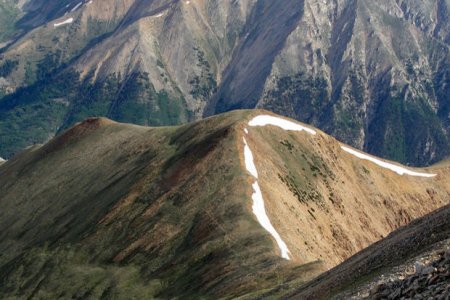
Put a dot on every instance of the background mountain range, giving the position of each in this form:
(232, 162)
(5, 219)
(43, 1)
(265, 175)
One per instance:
(374, 74)
(223, 205)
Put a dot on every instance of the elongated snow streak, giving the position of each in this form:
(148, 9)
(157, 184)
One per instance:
(260, 213)
(258, 203)
(399, 170)
(68, 21)
(2, 160)
(76, 6)
(249, 163)
(264, 120)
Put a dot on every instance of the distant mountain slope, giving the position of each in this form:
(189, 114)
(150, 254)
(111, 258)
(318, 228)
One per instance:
(231, 206)
(9, 14)
(372, 73)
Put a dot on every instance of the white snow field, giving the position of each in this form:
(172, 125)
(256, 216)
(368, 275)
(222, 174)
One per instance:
(264, 120)
(397, 169)
(68, 21)
(258, 203)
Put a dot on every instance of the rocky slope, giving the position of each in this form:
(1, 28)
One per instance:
(237, 205)
(373, 74)
(427, 281)
(411, 263)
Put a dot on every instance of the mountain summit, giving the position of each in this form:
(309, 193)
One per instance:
(231, 206)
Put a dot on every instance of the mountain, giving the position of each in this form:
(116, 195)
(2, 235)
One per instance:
(374, 74)
(237, 205)
(413, 261)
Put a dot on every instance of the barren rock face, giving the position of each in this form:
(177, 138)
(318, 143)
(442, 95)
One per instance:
(373, 74)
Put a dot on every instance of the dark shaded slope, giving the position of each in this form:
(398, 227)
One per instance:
(144, 8)
(264, 35)
(39, 12)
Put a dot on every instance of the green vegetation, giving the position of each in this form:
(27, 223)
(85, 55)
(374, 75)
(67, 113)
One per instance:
(305, 94)
(65, 272)
(288, 145)
(392, 137)
(318, 166)
(98, 29)
(365, 170)
(34, 114)
(48, 65)
(132, 100)
(310, 194)
(7, 67)
(403, 126)
(310, 176)
(9, 14)
(57, 100)
(205, 85)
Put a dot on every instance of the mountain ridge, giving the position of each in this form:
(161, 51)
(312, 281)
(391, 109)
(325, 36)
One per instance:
(167, 212)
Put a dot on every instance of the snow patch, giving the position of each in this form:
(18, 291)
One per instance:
(399, 170)
(76, 6)
(68, 21)
(2, 160)
(258, 203)
(260, 212)
(246, 130)
(249, 163)
(264, 120)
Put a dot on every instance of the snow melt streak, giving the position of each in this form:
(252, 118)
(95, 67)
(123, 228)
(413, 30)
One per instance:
(68, 21)
(399, 170)
(76, 6)
(260, 213)
(258, 203)
(249, 163)
(264, 120)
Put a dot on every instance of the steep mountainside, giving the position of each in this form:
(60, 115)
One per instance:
(412, 262)
(372, 73)
(9, 14)
(231, 206)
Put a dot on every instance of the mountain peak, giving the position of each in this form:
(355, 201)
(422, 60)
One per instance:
(77, 132)
(179, 205)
